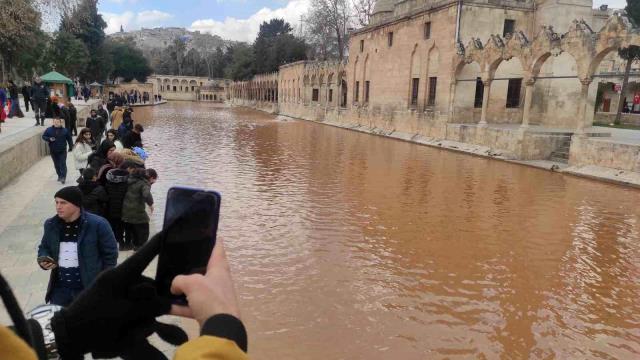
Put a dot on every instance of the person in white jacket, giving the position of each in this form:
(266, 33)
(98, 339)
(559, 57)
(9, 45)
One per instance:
(82, 149)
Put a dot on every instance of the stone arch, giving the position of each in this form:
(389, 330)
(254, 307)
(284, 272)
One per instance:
(466, 105)
(415, 71)
(507, 73)
(555, 90)
(174, 84)
(356, 89)
(193, 85)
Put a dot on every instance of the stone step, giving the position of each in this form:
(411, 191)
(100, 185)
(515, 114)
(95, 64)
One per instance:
(559, 159)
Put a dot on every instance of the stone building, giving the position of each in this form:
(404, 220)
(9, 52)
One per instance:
(521, 76)
(215, 90)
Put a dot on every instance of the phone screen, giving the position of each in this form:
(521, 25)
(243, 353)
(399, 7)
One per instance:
(188, 242)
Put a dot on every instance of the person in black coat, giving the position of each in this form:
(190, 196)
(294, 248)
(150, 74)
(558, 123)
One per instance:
(94, 196)
(116, 186)
(133, 138)
(40, 97)
(58, 137)
(26, 95)
(99, 157)
(73, 118)
(97, 125)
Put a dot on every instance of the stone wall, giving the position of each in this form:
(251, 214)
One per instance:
(604, 153)
(626, 119)
(20, 151)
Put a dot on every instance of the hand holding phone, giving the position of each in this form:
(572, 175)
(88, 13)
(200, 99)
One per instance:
(46, 262)
(191, 223)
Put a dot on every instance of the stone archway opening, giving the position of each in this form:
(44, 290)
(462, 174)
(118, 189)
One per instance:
(467, 103)
(556, 92)
(607, 85)
(506, 96)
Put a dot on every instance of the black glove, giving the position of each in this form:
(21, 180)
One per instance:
(117, 313)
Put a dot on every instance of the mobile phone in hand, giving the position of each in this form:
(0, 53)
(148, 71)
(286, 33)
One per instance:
(191, 220)
(48, 259)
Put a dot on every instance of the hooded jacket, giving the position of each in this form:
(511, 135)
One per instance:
(138, 194)
(94, 197)
(116, 187)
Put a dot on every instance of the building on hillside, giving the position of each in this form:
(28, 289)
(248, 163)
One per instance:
(519, 75)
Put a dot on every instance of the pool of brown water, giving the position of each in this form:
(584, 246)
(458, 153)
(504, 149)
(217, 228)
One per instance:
(350, 246)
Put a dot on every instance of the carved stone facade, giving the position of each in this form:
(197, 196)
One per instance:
(520, 76)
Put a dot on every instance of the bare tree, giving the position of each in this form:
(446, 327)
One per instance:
(332, 19)
(363, 10)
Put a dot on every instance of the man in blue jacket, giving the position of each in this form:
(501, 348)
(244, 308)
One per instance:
(57, 137)
(76, 246)
(39, 95)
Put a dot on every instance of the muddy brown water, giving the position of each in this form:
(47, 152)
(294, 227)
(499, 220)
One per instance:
(351, 246)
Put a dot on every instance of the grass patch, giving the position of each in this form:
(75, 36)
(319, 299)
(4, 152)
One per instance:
(621, 126)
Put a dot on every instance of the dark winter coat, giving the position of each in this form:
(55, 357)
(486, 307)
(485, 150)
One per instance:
(94, 197)
(40, 92)
(99, 157)
(13, 92)
(104, 115)
(26, 92)
(62, 137)
(116, 187)
(131, 140)
(97, 247)
(96, 125)
(138, 194)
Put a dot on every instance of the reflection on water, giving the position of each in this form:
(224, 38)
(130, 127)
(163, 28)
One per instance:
(351, 246)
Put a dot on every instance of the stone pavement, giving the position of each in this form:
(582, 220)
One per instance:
(24, 205)
(15, 125)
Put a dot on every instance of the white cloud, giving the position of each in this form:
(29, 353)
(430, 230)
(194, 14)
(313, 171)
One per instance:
(133, 21)
(247, 29)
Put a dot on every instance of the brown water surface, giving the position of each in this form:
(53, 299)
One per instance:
(351, 246)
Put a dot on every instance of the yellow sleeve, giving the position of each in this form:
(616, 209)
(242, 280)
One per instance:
(210, 348)
(14, 348)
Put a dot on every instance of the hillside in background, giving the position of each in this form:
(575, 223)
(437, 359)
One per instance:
(151, 40)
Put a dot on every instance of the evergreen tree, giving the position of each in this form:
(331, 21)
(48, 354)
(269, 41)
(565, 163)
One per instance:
(128, 61)
(68, 54)
(19, 22)
(86, 24)
(241, 66)
(275, 45)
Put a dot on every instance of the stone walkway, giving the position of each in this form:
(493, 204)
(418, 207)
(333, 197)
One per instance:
(24, 206)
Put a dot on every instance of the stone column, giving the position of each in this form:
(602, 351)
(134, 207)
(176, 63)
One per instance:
(485, 101)
(452, 100)
(528, 95)
(582, 106)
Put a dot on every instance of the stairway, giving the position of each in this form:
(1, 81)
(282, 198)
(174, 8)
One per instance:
(561, 154)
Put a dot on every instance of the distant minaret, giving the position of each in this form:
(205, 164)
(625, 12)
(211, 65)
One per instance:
(121, 29)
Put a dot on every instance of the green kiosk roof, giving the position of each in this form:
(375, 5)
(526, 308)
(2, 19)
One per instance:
(56, 77)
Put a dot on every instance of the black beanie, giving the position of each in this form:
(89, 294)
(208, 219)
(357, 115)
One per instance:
(71, 194)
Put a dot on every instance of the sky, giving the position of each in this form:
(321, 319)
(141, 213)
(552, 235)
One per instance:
(231, 19)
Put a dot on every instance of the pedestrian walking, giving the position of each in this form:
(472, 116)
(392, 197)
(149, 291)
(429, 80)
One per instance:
(73, 117)
(76, 246)
(58, 137)
(116, 186)
(97, 125)
(134, 215)
(103, 114)
(40, 95)
(94, 196)
(26, 96)
(15, 101)
(82, 149)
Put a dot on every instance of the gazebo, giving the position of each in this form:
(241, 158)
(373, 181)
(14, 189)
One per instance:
(59, 83)
(96, 88)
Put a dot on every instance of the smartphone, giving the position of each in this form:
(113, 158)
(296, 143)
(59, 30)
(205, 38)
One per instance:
(48, 259)
(191, 220)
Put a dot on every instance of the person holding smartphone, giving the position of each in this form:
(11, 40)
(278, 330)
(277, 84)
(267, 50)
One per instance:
(76, 246)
